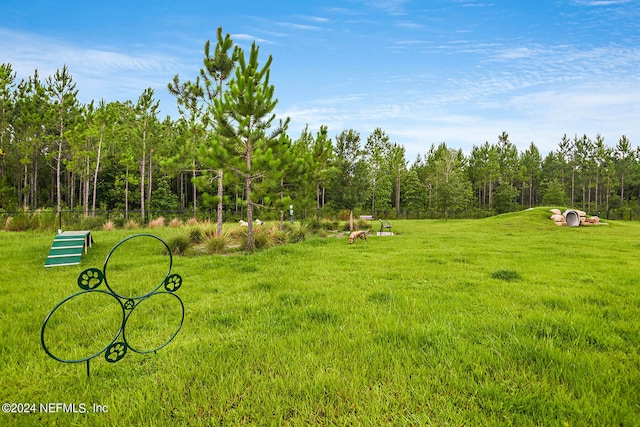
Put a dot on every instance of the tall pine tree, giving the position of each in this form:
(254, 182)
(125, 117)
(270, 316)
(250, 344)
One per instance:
(244, 115)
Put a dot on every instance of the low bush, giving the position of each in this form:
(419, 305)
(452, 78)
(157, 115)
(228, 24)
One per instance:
(175, 223)
(157, 223)
(216, 244)
(196, 234)
(178, 243)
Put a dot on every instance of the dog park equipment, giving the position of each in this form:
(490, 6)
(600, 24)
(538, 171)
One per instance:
(89, 280)
(385, 225)
(572, 218)
(67, 248)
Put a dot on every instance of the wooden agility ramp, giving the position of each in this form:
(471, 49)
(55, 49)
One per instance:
(68, 247)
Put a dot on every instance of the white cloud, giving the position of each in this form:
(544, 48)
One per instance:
(247, 38)
(98, 73)
(601, 2)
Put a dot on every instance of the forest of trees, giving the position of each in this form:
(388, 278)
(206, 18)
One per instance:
(227, 153)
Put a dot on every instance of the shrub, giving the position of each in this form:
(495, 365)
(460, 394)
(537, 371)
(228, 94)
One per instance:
(322, 224)
(109, 226)
(131, 225)
(19, 222)
(178, 244)
(157, 223)
(279, 237)
(363, 224)
(191, 222)
(216, 244)
(196, 234)
(322, 233)
(297, 233)
(175, 223)
(91, 223)
(262, 239)
(46, 220)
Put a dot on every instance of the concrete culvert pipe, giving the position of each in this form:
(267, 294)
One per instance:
(572, 218)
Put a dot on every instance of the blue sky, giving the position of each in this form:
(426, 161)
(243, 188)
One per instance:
(454, 71)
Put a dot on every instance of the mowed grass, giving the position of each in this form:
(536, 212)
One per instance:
(508, 320)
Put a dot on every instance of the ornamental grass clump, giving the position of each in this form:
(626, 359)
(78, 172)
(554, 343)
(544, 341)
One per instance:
(178, 243)
(216, 244)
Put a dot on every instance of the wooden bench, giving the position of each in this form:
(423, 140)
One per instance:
(366, 217)
(385, 225)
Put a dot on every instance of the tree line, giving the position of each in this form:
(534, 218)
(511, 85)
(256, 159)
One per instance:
(227, 150)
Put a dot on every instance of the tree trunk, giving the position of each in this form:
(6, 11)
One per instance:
(34, 186)
(71, 188)
(193, 188)
(149, 186)
(490, 193)
(249, 183)
(398, 194)
(58, 166)
(143, 164)
(86, 189)
(573, 187)
(126, 194)
(220, 205)
(373, 199)
(95, 174)
(25, 201)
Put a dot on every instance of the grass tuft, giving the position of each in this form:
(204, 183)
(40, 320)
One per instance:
(178, 243)
(506, 275)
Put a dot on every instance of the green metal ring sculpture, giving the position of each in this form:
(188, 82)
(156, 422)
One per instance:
(90, 279)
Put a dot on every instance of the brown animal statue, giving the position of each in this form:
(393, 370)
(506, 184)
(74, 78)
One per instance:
(361, 234)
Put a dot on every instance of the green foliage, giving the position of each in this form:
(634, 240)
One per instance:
(179, 243)
(20, 221)
(216, 244)
(351, 184)
(554, 194)
(163, 199)
(7, 195)
(196, 234)
(452, 190)
(505, 198)
(243, 116)
(108, 145)
(296, 232)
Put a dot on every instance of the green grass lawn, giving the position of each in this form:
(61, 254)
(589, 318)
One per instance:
(508, 320)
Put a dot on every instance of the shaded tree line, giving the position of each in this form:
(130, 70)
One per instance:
(227, 150)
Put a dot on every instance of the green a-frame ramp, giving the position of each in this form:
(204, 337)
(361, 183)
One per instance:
(67, 248)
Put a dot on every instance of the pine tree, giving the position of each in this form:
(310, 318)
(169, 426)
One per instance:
(218, 69)
(323, 158)
(351, 183)
(7, 87)
(146, 111)
(63, 93)
(195, 102)
(243, 117)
